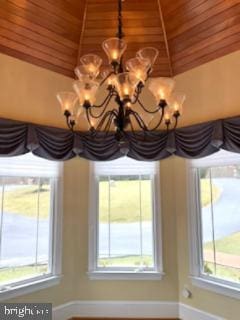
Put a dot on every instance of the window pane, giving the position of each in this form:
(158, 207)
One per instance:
(125, 222)
(220, 189)
(24, 245)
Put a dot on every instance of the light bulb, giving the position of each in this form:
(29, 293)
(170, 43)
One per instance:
(161, 88)
(114, 48)
(114, 54)
(176, 102)
(67, 101)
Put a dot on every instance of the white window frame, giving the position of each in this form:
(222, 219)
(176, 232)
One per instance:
(96, 273)
(37, 283)
(199, 279)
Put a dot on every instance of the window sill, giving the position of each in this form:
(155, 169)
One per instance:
(217, 287)
(125, 275)
(29, 287)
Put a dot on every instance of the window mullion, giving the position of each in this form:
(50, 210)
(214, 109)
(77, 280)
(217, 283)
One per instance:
(1, 219)
(37, 226)
(140, 216)
(213, 223)
(109, 218)
(52, 220)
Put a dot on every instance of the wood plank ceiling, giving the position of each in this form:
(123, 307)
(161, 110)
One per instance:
(54, 33)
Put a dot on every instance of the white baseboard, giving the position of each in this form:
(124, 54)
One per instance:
(130, 309)
(116, 309)
(189, 313)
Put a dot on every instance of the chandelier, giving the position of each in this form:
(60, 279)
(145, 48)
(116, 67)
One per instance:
(124, 83)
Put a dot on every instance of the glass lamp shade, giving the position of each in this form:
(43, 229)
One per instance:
(86, 90)
(176, 102)
(138, 67)
(107, 73)
(125, 84)
(161, 88)
(91, 63)
(67, 101)
(114, 48)
(149, 53)
(81, 72)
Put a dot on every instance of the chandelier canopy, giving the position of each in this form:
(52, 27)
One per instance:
(125, 83)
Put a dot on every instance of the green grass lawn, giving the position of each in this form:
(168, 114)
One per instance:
(24, 201)
(206, 192)
(132, 261)
(125, 202)
(222, 272)
(229, 244)
(8, 275)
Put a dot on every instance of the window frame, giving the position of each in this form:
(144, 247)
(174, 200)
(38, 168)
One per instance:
(96, 273)
(52, 278)
(199, 279)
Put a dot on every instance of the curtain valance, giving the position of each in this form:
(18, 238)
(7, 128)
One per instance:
(194, 141)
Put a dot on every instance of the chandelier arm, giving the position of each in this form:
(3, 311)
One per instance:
(159, 122)
(139, 120)
(104, 80)
(108, 125)
(88, 118)
(136, 95)
(103, 111)
(132, 129)
(104, 118)
(146, 110)
(109, 96)
(176, 122)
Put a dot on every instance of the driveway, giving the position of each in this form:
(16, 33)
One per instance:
(19, 232)
(19, 240)
(226, 210)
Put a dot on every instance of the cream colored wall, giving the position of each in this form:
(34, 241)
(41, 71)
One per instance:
(212, 92)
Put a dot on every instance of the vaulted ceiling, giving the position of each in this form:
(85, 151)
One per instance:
(55, 33)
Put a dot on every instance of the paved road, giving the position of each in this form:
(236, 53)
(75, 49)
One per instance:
(226, 210)
(19, 239)
(19, 231)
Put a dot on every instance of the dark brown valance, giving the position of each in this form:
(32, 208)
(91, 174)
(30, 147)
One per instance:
(195, 141)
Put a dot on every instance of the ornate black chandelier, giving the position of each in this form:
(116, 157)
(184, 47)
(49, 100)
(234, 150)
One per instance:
(124, 85)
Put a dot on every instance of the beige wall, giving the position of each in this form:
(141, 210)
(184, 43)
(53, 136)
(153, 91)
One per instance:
(212, 92)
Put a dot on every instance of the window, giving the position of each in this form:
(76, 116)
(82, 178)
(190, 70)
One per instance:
(124, 237)
(29, 220)
(215, 218)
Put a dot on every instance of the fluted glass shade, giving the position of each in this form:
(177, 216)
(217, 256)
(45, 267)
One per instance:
(67, 101)
(149, 53)
(176, 102)
(161, 88)
(138, 67)
(114, 48)
(125, 84)
(86, 90)
(81, 71)
(107, 73)
(91, 63)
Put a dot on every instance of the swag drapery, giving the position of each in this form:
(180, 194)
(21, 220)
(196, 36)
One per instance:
(17, 138)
